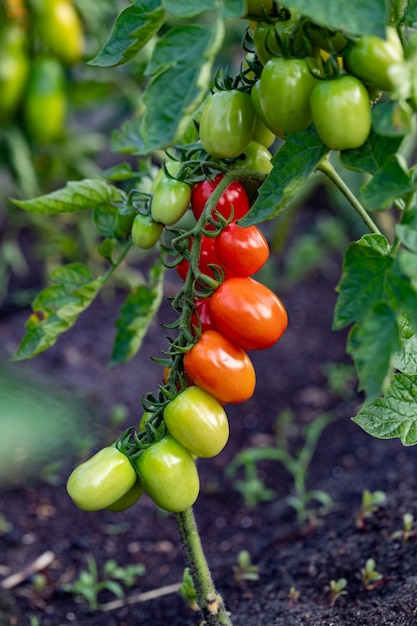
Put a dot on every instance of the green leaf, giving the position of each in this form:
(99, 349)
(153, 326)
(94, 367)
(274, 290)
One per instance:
(57, 308)
(363, 279)
(136, 315)
(190, 8)
(356, 17)
(407, 262)
(392, 119)
(292, 165)
(372, 345)
(394, 415)
(389, 183)
(411, 12)
(75, 196)
(104, 220)
(134, 27)
(371, 156)
(406, 360)
(119, 172)
(406, 230)
(181, 65)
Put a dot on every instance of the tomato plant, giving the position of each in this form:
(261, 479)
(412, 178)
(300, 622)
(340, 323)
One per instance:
(198, 422)
(273, 38)
(341, 112)
(227, 123)
(102, 480)
(233, 201)
(221, 368)
(208, 262)
(248, 313)
(242, 250)
(169, 475)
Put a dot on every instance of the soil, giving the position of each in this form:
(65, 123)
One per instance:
(296, 561)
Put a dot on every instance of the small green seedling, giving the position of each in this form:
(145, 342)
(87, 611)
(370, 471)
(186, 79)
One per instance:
(297, 464)
(88, 585)
(188, 592)
(293, 596)
(245, 570)
(407, 531)
(371, 578)
(371, 501)
(337, 589)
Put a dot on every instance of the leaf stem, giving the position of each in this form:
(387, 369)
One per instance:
(328, 170)
(209, 600)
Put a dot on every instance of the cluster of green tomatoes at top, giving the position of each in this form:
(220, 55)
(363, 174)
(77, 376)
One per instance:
(298, 74)
(228, 313)
(38, 42)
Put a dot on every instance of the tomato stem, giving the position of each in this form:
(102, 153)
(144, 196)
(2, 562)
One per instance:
(209, 600)
(328, 170)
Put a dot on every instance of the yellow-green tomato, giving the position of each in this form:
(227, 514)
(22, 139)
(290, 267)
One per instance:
(341, 111)
(198, 422)
(60, 29)
(227, 123)
(170, 201)
(128, 499)
(14, 71)
(372, 58)
(256, 157)
(45, 105)
(102, 480)
(169, 475)
(145, 232)
(284, 94)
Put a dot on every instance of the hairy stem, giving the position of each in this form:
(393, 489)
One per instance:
(209, 600)
(328, 170)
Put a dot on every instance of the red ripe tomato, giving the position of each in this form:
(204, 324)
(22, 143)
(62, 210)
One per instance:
(208, 257)
(201, 317)
(221, 368)
(248, 313)
(242, 250)
(233, 198)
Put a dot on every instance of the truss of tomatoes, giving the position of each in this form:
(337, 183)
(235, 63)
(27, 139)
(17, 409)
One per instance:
(240, 315)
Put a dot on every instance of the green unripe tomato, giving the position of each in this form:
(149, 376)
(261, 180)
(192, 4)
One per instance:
(60, 29)
(169, 475)
(227, 124)
(14, 71)
(170, 201)
(331, 41)
(256, 157)
(262, 134)
(102, 480)
(284, 94)
(341, 111)
(128, 499)
(145, 232)
(371, 59)
(198, 422)
(45, 105)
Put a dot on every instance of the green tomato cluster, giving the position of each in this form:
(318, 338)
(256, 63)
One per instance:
(33, 87)
(297, 85)
(166, 470)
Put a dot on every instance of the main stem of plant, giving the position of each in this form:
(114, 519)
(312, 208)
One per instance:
(209, 600)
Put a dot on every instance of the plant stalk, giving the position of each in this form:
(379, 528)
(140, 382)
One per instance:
(328, 170)
(209, 600)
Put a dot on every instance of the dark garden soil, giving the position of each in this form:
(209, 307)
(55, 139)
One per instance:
(304, 557)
